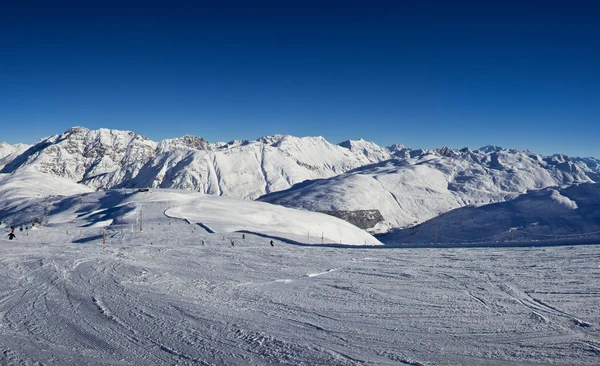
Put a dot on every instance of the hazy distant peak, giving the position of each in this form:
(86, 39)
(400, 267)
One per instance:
(17, 146)
(396, 147)
(490, 149)
(8, 152)
(559, 158)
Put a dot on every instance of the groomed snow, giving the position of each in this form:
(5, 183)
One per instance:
(120, 209)
(162, 297)
(224, 215)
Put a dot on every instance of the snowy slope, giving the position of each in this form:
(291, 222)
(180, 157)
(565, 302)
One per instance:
(546, 214)
(177, 295)
(9, 152)
(407, 186)
(25, 195)
(23, 201)
(99, 158)
(245, 169)
(408, 191)
(370, 150)
(591, 166)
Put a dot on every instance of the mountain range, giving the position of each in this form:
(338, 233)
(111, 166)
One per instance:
(408, 186)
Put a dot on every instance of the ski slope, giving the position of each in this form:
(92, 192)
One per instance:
(29, 196)
(201, 284)
(162, 297)
(170, 277)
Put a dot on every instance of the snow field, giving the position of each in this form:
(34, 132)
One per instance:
(161, 297)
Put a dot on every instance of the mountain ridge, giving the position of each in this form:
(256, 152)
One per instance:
(408, 186)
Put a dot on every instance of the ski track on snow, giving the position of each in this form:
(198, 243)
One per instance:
(160, 297)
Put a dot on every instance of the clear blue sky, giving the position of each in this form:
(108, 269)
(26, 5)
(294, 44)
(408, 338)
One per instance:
(523, 74)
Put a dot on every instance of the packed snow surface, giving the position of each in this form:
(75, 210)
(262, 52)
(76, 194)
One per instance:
(175, 294)
(223, 215)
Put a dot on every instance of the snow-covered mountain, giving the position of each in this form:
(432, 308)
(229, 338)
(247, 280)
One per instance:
(546, 214)
(591, 166)
(99, 159)
(408, 186)
(9, 152)
(411, 190)
(370, 150)
(246, 169)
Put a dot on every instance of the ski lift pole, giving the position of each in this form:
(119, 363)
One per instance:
(141, 216)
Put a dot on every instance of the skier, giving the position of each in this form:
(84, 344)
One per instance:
(243, 236)
(232, 242)
(272, 243)
(11, 236)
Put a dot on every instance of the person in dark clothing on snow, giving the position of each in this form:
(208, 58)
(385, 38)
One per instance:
(272, 243)
(11, 236)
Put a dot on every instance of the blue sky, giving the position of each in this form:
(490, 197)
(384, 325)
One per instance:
(424, 73)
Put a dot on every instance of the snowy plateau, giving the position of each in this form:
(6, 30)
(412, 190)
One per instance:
(185, 252)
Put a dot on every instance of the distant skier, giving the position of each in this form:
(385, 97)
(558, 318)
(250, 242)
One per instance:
(243, 236)
(202, 242)
(11, 236)
(21, 228)
(272, 244)
(232, 242)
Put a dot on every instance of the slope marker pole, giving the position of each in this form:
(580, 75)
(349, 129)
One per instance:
(141, 216)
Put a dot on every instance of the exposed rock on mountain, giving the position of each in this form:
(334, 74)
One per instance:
(247, 169)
